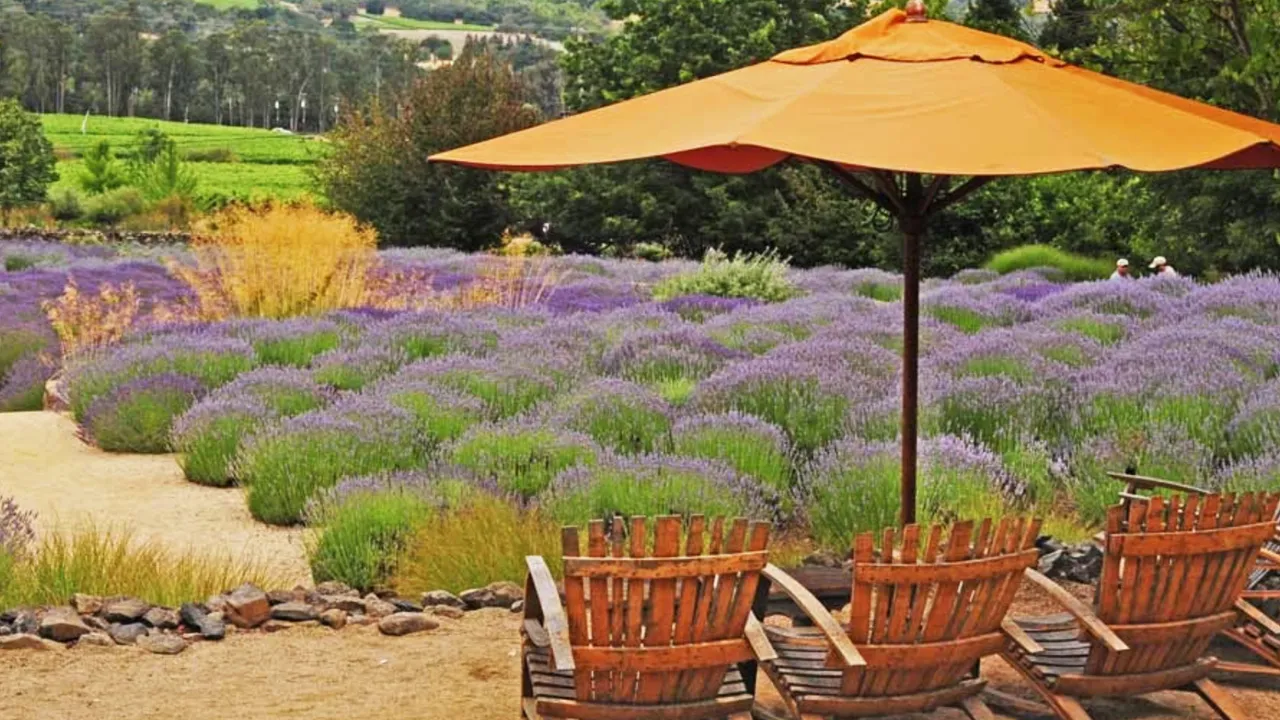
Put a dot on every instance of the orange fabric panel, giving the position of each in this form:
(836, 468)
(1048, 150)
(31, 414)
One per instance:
(927, 97)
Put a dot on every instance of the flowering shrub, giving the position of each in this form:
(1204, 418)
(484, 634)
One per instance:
(22, 388)
(519, 457)
(137, 416)
(762, 277)
(292, 342)
(283, 391)
(505, 387)
(208, 436)
(353, 369)
(749, 445)
(441, 413)
(421, 335)
(654, 485)
(363, 535)
(619, 415)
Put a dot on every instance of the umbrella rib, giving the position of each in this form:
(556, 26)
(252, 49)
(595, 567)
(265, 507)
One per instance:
(860, 187)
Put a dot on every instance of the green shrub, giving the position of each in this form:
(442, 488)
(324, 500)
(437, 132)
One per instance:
(761, 276)
(64, 204)
(208, 436)
(520, 459)
(296, 350)
(362, 537)
(112, 206)
(138, 415)
(1074, 267)
(441, 414)
(749, 445)
(619, 415)
(101, 172)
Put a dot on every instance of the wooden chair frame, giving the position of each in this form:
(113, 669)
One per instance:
(922, 617)
(1254, 630)
(666, 635)
(1148, 633)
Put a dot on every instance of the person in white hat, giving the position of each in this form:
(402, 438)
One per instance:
(1122, 270)
(1162, 267)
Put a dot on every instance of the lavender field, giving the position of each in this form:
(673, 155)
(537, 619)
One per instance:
(594, 398)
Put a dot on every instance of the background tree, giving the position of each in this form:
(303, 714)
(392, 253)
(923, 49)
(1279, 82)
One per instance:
(26, 158)
(378, 168)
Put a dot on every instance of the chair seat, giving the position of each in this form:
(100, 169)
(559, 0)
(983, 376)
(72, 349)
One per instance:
(1065, 653)
(548, 683)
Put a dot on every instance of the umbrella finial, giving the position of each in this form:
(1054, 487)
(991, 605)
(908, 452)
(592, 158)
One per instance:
(916, 11)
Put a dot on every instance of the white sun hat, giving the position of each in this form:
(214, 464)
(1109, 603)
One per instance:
(1122, 263)
(1158, 262)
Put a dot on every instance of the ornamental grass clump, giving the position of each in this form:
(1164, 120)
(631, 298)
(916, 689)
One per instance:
(809, 402)
(283, 391)
(279, 261)
(137, 416)
(1073, 267)
(286, 464)
(208, 358)
(293, 342)
(619, 415)
(441, 413)
(519, 457)
(853, 486)
(208, 436)
(353, 369)
(648, 485)
(763, 276)
(748, 444)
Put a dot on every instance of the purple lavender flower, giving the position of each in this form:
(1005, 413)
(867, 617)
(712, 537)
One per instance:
(1109, 298)
(667, 355)
(697, 308)
(620, 415)
(17, 529)
(750, 445)
(23, 387)
(137, 415)
(286, 391)
(506, 387)
(428, 334)
(593, 296)
(352, 369)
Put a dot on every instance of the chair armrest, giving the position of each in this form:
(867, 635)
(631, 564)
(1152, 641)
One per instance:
(1143, 482)
(1079, 610)
(818, 614)
(1248, 609)
(759, 641)
(553, 619)
(1269, 555)
(1020, 636)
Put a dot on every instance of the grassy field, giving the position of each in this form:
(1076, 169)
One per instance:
(265, 163)
(404, 23)
(231, 4)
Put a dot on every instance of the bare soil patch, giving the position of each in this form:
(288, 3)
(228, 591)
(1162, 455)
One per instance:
(70, 484)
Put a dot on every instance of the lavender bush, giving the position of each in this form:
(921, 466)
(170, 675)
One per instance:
(138, 415)
(283, 391)
(521, 457)
(208, 436)
(352, 369)
(749, 445)
(620, 415)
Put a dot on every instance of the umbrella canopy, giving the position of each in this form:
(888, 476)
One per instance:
(888, 103)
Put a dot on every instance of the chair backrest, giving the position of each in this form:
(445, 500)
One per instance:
(652, 622)
(924, 613)
(1172, 571)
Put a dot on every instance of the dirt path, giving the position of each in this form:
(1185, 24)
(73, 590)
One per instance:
(46, 468)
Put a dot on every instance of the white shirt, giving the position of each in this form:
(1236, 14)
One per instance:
(1117, 276)
(1168, 270)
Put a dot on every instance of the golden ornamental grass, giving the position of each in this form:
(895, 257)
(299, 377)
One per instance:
(279, 261)
(88, 320)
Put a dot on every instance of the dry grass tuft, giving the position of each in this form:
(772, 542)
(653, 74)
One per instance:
(86, 320)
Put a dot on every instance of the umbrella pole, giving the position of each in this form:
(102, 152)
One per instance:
(912, 230)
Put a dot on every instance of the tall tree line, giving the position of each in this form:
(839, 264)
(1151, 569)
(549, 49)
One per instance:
(175, 60)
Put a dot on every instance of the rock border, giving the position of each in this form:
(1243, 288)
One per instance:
(90, 620)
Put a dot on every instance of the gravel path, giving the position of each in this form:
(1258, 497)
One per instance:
(46, 468)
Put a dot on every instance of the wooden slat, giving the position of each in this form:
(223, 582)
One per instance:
(634, 629)
(555, 625)
(1166, 633)
(923, 656)
(879, 706)
(601, 682)
(717, 654)
(668, 568)
(623, 687)
(1132, 684)
(1079, 610)
(903, 588)
(576, 608)
(949, 572)
(658, 624)
(701, 684)
(944, 603)
(691, 589)
(716, 708)
(1199, 543)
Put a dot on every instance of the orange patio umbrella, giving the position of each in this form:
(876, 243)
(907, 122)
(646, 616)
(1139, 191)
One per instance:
(909, 113)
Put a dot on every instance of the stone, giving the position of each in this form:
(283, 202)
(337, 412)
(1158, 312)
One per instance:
(1048, 561)
(337, 589)
(334, 618)
(375, 606)
(124, 610)
(8, 616)
(405, 623)
(449, 611)
(96, 623)
(86, 604)
(361, 620)
(192, 637)
(272, 626)
(822, 558)
(191, 615)
(63, 625)
(216, 603)
(294, 611)
(1080, 563)
(499, 594)
(214, 627)
(247, 607)
(162, 643)
(441, 597)
(25, 641)
(403, 605)
(343, 602)
(279, 597)
(127, 633)
(5, 630)
(98, 639)
(163, 618)
(517, 606)
(25, 622)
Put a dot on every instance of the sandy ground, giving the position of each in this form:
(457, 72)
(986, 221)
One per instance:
(46, 468)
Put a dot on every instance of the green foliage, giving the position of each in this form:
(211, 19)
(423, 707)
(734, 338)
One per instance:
(208, 451)
(17, 263)
(112, 206)
(438, 421)
(630, 491)
(1075, 268)
(1003, 17)
(521, 461)
(166, 175)
(140, 422)
(378, 169)
(101, 172)
(761, 276)
(362, 537)
(622, 423)
(26, 158)
(64, 204)
(756, 457)
(296, 351)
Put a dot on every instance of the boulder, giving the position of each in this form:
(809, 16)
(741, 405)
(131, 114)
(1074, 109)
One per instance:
(24, 622)
(247, 607)
(279, 597)
(192, 614)
(24, 641)
(162, 643)
(272, 626)
(449, 611)
(216, 603)
(375, 606)
(213, 627)
(441, 597)
(163, 618)
(334, 618)
(517, 606)
(96, 623)
(344, 603)
(5, 629)
(822, 558)
(86, 604)
(337, 589)
(361, 620)
(403, 605)
(99, 639)
(294, 611)
(63, 625)
(405, 623)
(499, 594)
(124, 610)
(1080, 563)
(127, 633)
